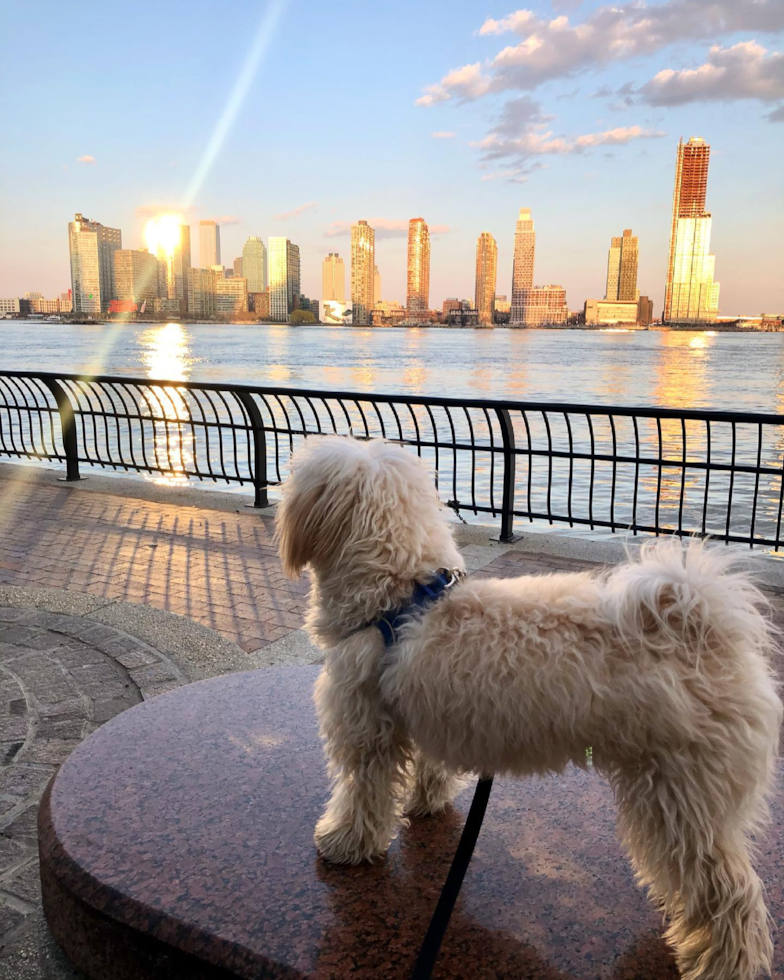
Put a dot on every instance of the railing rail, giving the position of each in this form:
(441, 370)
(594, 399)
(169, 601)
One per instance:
(646, 470)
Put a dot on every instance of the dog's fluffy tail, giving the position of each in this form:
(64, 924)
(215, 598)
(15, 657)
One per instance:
(691, 595)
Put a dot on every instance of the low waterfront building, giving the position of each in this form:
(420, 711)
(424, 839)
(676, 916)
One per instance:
(66, 302)
(388, 314)
(231, 295)
(618, 312)
(260, 304)
(452, 303)
(171, 305)
(333, 312)
(12, 305)
(540, 306)
(44, 305)
(502, 303)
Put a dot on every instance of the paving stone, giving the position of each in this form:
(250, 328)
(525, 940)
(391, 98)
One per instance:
(13, 728)
(9, 920)
(12, 853)
(25, 882)
(21, 780)
(51, 750)
(23, 826)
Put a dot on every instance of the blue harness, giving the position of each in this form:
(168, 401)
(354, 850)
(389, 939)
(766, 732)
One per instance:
(423, 596)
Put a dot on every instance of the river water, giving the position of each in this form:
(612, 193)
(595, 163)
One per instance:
(742, 372)
(681, 370)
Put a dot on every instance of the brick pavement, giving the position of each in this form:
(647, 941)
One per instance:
(60, 678)
(219, 569)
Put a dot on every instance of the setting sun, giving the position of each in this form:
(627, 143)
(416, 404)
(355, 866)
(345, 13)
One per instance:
(162, 234)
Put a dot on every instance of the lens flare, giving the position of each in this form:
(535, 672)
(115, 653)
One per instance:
(162, 235)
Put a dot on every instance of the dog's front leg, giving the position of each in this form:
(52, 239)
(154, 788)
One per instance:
(433, 787)
(367, 759)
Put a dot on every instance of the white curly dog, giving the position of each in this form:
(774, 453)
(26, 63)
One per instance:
(660, 664)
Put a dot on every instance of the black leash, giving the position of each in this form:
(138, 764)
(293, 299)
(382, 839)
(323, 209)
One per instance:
(454, 880)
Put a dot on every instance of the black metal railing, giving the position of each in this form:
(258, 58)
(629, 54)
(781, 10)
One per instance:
(647, 470)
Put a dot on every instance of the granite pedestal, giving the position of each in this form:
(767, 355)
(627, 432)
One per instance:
(176, 842)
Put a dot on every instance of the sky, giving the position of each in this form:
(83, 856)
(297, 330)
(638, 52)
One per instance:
(296, 118)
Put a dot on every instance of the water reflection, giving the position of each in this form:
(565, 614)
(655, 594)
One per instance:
(167, 356)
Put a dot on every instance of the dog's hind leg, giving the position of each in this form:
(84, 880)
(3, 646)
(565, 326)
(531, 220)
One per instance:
(367, 759)
(687, 842)
(433, 787)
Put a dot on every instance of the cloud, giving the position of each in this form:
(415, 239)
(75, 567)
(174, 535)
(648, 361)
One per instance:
(153, 210)
(384, 228)
(466, 84)
(557, 48)
(538, 142)
(776, 115)
(442, 135)
(285, 215)
(227, 219)
(85, 159)
(744, 71)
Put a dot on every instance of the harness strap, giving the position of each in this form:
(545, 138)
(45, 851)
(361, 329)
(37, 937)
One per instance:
(434, 936)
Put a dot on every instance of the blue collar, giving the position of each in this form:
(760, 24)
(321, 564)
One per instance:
(423, 596)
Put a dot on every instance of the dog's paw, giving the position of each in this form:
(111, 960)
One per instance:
(431, 795)
(341, 844)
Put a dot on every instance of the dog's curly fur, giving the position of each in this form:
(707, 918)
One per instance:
(660, 665)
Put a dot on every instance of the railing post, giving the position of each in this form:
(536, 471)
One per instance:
(507, 535)
(259, 449)
(68, 427)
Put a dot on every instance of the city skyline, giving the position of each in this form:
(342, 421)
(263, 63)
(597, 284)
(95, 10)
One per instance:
(585, 139)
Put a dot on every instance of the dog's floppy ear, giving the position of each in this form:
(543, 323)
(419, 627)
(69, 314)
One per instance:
(318, 499)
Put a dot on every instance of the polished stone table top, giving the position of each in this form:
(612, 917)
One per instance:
(189, 819)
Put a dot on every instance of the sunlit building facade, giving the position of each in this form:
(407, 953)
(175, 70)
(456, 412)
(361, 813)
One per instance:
(418, 268)
(333, 278)
(542, 306)
(486, 271)
(238, 265)
(135, 275)
(201, 292)
(622, 268)
(231, 294)
(523, 263)
(691, 294)
(253, 265)
(363, 264)
(284, 278)
(376, 285)
(209, 244)
(92, 246)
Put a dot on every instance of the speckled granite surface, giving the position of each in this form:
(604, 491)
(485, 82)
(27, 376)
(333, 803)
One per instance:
(184, 826)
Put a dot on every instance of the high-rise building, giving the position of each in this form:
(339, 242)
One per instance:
(486, 269)
(333, 278)
(363, 264)
(691, 295)
(523, 264)
(376, 285)
(238, 265)
(135, 275)
(201, 292)
(284, 278)
(294, 279)
(92, 247)
(418, 277)
(622, 268)
(253, 265)
(209, 244)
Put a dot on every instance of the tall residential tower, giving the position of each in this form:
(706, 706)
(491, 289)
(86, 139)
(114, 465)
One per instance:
(254, 265)
(486, 269)
(523, 265)
(333, 278)
(284, 284)
(363, 264)
(418, 277)
(209, 244)
(622, 268)
(92, 247)
(691, 295)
